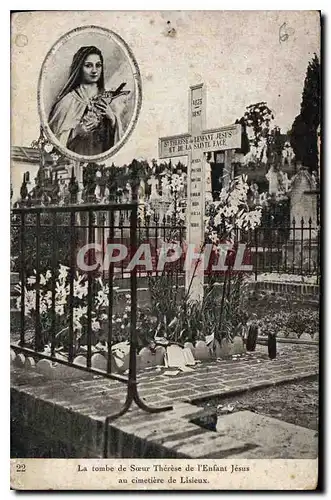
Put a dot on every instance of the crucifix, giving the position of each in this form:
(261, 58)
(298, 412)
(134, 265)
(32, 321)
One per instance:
(194, 145)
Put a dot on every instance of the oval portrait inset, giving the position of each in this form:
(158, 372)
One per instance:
(89, 93)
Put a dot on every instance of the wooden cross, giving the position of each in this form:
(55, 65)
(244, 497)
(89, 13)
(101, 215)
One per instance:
(193, 145)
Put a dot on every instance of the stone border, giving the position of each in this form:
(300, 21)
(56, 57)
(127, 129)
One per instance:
(298, 288)
(146, 359)
(256, 387)
(264, 339)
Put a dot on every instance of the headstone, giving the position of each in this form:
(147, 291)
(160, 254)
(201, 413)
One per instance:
(188, 356)
(166, 190)
(99, 361)
(286, 182)
(303, 206)
(273, 178)
(194, 145)
(287, 154)
(305, 336)
(175, 356)
(29, 363)
(153, 182)
(255, 193)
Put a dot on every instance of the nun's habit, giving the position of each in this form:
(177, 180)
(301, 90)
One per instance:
(72, 105)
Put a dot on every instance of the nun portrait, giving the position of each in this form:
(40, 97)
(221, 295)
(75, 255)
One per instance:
(82, 117)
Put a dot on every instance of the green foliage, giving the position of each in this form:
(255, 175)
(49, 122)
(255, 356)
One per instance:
(258, 117)
(180, 320)
(234, 316)
(298, 321)
(275, 141)
(303, 135)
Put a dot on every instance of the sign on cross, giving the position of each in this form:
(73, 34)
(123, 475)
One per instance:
(193, 145)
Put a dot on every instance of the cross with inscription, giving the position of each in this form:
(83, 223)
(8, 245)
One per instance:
(193, 145)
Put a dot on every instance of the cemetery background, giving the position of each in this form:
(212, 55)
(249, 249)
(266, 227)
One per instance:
(274, 210)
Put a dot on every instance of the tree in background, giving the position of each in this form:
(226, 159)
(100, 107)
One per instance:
(256, 124)
(258, 117)
(303, 134)
(275, 145)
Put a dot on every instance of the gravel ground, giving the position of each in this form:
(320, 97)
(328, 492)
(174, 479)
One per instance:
(296, 403)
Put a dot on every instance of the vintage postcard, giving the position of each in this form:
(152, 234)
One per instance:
(165, 250)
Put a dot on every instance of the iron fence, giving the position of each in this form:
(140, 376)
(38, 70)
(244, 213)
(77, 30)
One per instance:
(292, 248)
(45, 238)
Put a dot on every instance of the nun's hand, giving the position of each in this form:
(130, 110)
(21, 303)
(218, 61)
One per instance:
(89, 123)
(105, 109)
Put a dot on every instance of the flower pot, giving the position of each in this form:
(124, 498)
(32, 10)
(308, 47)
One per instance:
(252, 338)
(149, 358)
(99, 362)
(121, 353)
(272, 346)
(29, 364)
(201, 351)
(215, 349)
(237, 345)
(66, 372)
(19, 360)
(190, 345)
(225, 348)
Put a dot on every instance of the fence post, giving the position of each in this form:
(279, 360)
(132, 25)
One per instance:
(301, 245)
(22, 277)
(293, 256)
(110, 295)
(309, 245)
(71, 286)
(38, 334)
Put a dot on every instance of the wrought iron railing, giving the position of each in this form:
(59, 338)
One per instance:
(72, 225)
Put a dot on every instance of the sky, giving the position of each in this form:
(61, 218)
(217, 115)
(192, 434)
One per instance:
(241, 57)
